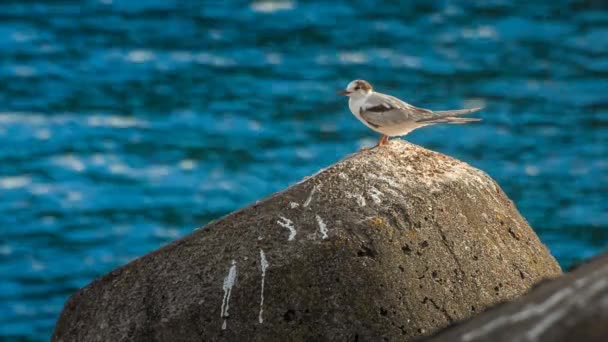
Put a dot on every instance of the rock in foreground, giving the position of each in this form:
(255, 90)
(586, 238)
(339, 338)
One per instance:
(391, 243)
(573, 307)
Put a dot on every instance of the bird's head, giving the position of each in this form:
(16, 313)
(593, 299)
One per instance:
(357, 88)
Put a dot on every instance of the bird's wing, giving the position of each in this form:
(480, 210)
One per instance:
(384, 110)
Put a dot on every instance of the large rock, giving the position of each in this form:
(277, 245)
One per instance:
(392, 243)
(573, 307)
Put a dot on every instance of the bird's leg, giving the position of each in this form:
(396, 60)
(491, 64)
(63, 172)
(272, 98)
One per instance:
(386, 137)
(383, 141)
(379, 142)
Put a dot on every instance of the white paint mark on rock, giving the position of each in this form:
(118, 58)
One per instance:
(391, 182)
(264, 263)
(360, 200)
(358, 197)
(547, 322)
(293, 205)
(530, 311)
(365, 219)
(579, 298)
(312, 192)
(287, 223)
(322, 227)
(312, 176)
(228, 284)
(391, 191)
(375, 194)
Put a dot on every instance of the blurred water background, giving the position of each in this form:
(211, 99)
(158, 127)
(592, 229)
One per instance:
(127, 124)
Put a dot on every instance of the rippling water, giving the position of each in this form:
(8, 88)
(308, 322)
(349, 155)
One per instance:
(126, 124)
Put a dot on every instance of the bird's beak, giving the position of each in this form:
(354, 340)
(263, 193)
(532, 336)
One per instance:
(344, 92)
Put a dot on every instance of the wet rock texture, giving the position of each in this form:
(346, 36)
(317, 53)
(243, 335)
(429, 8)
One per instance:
(571, 308)
(388, 244)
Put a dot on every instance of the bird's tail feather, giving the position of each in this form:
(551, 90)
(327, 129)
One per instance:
(456, 112)
(449, 116)
(453, 120)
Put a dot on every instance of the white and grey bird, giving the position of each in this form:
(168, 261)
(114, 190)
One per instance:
(392, 117)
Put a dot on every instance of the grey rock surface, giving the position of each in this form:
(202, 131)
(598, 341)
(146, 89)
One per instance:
(391, 243)
(573, 307)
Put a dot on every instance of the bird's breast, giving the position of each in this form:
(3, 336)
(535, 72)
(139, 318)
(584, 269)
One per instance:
(355, 108)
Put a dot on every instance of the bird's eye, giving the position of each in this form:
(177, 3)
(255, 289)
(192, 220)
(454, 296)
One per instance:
(357, 88)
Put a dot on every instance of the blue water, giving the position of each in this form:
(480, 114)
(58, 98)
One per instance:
(126, 124)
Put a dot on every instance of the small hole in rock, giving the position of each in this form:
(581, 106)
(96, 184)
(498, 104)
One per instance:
(289, 315)
(366, 252)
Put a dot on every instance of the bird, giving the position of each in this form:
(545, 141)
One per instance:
(393, 117)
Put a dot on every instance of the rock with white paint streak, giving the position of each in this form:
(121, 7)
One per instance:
(394, 242)
(573, 307)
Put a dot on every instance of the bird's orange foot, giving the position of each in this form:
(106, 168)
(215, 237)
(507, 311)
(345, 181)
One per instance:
(383, 141)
